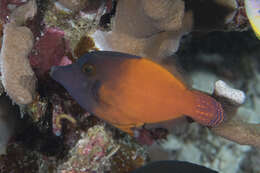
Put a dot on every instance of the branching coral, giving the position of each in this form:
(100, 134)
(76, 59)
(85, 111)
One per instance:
(17, 76)
(234, 129)
(141, 30)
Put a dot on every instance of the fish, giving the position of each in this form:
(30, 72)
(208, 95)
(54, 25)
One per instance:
(172, 166)
(253, 13)
(128, 91)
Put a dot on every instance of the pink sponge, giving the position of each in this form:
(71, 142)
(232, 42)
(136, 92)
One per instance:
(49, 50)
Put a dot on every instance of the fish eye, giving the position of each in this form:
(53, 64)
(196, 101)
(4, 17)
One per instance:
(88, 69)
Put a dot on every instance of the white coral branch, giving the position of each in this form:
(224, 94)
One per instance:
(234, 129)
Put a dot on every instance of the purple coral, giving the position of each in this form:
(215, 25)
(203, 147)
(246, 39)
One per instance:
(50, 50)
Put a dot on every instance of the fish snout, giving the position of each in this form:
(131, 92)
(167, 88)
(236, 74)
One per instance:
(62, 74)
(53, 70)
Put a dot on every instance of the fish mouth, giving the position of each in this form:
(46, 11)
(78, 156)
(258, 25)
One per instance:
(60, 74)
(53, 70)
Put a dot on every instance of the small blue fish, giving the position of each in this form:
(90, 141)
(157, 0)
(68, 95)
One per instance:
(253, 13)
(173, 166)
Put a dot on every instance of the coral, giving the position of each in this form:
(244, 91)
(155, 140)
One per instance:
(92, 153)
(27, 11)
(4, 11)
(240, 132)
(37, 108)
(240, 21)
(81, 5)
(17, 76)
(129, 157)
(74, 5)
(199, 145)
(141, 20)
(51, 49)
(57, 116)
(84, 45)
(150, 28)
(235, 96)
(74, 26)
(234, 129)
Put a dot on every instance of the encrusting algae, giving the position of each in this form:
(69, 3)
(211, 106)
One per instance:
(129, 91)
(84, 45)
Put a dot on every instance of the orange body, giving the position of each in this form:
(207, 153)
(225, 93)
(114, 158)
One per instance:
(147, 93)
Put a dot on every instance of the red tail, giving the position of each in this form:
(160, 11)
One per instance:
(208, 111)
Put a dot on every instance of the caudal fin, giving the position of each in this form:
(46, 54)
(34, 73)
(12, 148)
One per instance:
(208, 111)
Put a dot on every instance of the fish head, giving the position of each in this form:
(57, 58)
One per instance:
(84, 78)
